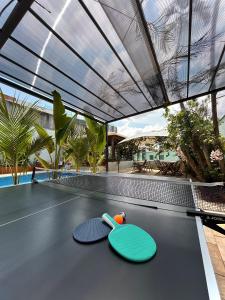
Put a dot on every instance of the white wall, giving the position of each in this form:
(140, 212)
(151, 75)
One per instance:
(44, 153)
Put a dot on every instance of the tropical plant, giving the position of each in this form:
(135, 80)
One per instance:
(218, 140)
(191, 130)
(96, 136)
(77, 150)
(62, 128)
(17, 142)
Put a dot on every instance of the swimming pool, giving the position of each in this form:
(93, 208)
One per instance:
(42, 176)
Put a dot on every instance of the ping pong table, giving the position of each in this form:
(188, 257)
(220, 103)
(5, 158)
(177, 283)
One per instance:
(40, 260)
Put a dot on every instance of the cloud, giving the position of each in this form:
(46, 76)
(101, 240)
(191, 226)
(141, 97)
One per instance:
(128, 131)
(154, 121)
(142, 124)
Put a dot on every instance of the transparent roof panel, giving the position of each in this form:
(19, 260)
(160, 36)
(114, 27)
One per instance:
(220, 75)
(208, 36)
(101, 18)
(23, 84)
(46, 71)
(126, 21)
(6, 7)
(167, 22)
(49, 47)
(86, 39)
(114, 59)
(15, 71)
(42, 93)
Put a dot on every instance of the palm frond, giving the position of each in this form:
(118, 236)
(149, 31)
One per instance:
(44, 134)
(16, 133)
(43, 162)
(37, 145)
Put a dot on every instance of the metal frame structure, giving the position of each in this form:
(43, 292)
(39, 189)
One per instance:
(13, 20)
(61, 72)
(24, 6)
(217, 68)
(77, 54)
(141, 13)
(166, 105)
(68, 105)
(48, 81)
(107, 149)
(189, 44)
(111, 46)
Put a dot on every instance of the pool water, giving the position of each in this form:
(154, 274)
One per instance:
(7, 180)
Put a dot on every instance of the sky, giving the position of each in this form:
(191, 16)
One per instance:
(154, 120)
(140, 124)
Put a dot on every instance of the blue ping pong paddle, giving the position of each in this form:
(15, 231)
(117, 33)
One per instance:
(91, 231)
(130, 241)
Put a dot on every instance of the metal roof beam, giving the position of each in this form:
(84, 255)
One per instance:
(67, 105)
(189, 44)
(171, 103)
(217, 68)
(144, 23)
(78, 55)
(62, 72)
(57, 86)
(13, 20)
(111, 46)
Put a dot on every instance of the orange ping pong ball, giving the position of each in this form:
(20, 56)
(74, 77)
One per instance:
(118, 219)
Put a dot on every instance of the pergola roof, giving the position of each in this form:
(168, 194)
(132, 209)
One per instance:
(113, 58)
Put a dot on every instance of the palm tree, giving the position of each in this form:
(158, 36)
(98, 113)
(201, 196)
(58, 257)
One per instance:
(96, 135)
(17, 142)
(62, 127)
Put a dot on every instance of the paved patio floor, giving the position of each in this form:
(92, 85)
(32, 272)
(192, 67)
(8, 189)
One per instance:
(216, 245)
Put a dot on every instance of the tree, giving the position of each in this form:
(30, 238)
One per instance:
(62, 127)
(96, 136)
(126, 150)
(191, 129)
(17, 142)
(218, 141)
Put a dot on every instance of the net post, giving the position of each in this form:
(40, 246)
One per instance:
(33, 180)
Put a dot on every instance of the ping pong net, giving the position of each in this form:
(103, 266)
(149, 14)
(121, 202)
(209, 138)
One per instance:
(206, 200)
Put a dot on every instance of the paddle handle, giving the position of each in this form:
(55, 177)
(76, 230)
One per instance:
(110, 221)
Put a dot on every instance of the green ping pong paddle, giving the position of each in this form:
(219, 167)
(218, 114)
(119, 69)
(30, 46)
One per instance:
(130, 241)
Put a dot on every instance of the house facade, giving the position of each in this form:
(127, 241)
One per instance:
(222, 126)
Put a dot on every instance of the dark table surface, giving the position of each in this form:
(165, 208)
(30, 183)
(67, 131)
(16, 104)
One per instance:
(40, 260)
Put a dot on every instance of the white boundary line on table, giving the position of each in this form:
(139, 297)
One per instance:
(210, 276)
(212, 286)
(37, 212)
